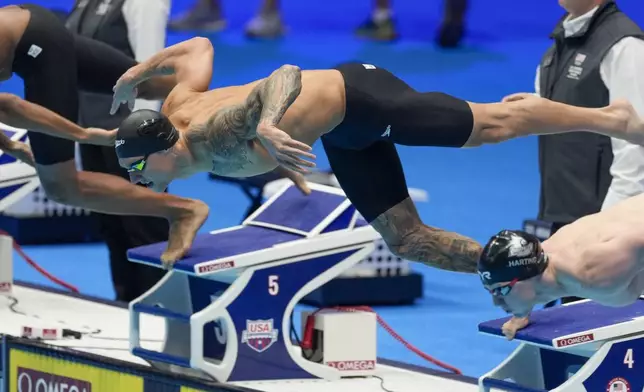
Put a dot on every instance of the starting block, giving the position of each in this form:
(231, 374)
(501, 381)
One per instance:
(228, 304)
(578, 347)
(17, 179)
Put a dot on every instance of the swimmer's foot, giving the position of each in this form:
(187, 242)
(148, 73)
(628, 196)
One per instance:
(183, 229)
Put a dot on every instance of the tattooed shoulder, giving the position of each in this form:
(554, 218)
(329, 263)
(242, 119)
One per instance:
(222, 137)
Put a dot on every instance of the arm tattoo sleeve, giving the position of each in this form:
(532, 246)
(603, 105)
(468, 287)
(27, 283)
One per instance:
(227, 133)
(224, 136)
(278, 92)
(409, 238)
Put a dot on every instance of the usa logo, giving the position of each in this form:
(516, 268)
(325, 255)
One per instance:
(259, 334)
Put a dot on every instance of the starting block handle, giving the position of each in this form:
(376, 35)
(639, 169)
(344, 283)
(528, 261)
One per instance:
(161, 357)
(159, 311)
(215, 311)
(503, 385)
(135, 324)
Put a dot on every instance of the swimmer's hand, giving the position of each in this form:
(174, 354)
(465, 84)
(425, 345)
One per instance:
(125, 92)
(284, 149)
(100, 137)
(520, 97)
(298, 179)
(22, 152)
(513, 325)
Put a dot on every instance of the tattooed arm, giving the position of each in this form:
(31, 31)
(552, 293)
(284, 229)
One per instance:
(266, 104)
(275, 95)
(230, 135)
(409, 238)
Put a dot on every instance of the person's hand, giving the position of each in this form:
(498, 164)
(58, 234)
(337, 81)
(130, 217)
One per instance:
(100, 137)
(300, 182)
(512, 326)
(287, 152)
(22, 152)
(298, 179)
(520, 97)
(125, 92)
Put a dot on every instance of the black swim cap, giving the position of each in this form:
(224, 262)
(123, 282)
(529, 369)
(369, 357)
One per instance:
(511, 255)
(144, 132)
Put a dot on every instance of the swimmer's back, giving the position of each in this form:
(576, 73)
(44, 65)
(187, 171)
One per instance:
(622, 225)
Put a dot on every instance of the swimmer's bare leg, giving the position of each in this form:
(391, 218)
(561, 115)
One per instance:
(410, 239)
(114, 195)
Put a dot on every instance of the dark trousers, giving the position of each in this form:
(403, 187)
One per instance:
(124, 232)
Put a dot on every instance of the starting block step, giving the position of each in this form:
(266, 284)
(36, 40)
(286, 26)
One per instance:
(575, 348)
(228, 304)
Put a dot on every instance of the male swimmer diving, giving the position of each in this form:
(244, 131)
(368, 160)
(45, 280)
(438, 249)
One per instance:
(598, 257)
(54, 64)
(359, 111)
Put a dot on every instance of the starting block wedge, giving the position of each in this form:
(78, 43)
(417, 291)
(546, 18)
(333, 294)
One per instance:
(228, 304)
(580, 347)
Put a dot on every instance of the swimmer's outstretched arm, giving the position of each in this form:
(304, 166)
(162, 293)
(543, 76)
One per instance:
(188, 64)
(526, 114)
(16, 112)
(190, 61)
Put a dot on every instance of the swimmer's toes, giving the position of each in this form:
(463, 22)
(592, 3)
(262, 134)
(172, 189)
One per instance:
(171, 256)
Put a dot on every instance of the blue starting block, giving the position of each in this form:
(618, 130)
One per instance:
(228, 304)
(578, 347)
